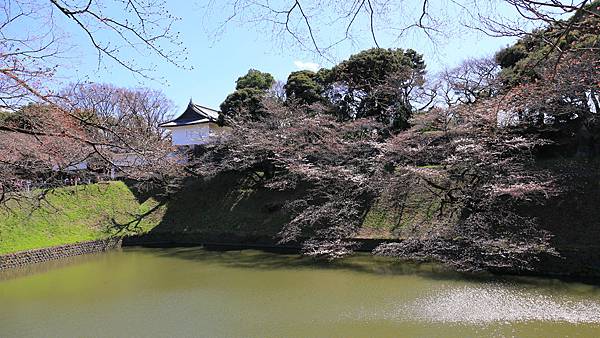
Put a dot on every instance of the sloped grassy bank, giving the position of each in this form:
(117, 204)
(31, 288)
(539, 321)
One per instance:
(228, 209)
(224, 209)
(71, 215)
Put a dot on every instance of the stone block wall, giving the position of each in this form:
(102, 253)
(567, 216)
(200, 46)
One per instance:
(23, 258)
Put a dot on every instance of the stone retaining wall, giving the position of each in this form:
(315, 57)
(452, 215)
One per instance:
(23, 258)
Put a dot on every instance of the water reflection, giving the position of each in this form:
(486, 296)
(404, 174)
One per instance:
(499, 303)
(52, 265)
(365, 263)
(360, 262)
(194, 292)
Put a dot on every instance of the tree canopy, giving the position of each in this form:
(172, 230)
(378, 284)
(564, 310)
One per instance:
(255, 79)
(548, 78)
(378, 83)
(473, 154)
(525, 60)
(246, 100)
(304, 86)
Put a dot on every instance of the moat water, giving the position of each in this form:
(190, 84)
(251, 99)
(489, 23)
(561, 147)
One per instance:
(190, 292)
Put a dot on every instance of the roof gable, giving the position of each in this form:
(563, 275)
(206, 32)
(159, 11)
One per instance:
(194, 114)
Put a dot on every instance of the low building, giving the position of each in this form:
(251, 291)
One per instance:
(197, 125)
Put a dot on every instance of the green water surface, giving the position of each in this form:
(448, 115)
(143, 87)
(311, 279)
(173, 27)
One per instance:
(192, 292)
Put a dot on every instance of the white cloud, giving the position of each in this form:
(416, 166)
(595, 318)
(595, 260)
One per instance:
(307, 65)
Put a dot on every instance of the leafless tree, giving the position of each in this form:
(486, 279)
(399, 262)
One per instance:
(33, 40)
(478, 170)
(143, 108)
(302, 23)
(101, 126)
(291, 148)
(34, 45)
(127, 124)
(471, 80)
(277, 90)
(321, 26)
(475, 171)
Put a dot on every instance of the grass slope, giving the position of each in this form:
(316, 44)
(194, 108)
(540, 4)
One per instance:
(226, 206)
(72, 214)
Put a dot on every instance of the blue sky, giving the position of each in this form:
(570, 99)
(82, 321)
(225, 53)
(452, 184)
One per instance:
(218, 63)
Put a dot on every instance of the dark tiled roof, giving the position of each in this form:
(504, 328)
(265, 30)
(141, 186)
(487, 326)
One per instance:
(194, 114)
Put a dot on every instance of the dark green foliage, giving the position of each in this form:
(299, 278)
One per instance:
(255, 79)
(509, 56)
(325, 76)
(524, 61)
(550, 76)
(377, 83)
(16, 119)
(245, 101)
(521, 62)
(375, 66)
(25, 117)
(304, 87)
(4, 115)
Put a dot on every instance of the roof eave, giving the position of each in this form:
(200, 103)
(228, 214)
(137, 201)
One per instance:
(174, 124)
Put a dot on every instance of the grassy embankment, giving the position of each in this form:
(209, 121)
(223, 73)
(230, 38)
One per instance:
(224, 208)
(221, 207)
(71, 214)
